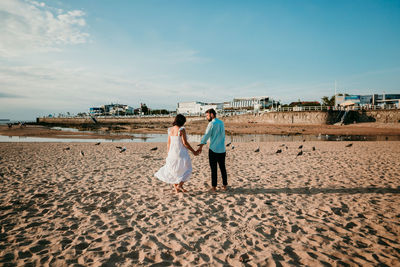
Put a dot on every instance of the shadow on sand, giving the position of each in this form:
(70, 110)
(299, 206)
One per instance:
(312, 191)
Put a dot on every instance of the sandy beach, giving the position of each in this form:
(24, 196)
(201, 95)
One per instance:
(332, 206)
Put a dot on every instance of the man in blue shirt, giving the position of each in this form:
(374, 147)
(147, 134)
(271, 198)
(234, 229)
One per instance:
(216, 154)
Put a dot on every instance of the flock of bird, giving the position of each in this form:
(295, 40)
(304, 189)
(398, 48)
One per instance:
(121, 149)
(300, 153)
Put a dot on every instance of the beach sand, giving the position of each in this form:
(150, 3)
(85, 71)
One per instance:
(335, 206)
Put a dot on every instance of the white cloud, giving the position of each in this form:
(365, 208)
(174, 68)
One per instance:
(55, 88)
(31, 27)
(74, 86)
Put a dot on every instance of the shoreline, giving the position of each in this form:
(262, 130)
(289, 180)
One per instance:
(118, 131)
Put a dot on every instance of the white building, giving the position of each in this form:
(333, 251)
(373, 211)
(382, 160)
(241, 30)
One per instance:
(112, 109)
(197, 108)
(249, 103)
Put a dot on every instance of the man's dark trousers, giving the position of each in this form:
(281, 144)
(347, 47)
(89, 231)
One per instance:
(217, 158)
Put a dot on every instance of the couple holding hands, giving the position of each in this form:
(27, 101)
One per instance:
(178, 167)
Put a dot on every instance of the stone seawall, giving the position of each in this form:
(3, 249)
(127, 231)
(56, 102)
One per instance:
(319, 117)
(298, 117)
(294, 117)
(384, 116)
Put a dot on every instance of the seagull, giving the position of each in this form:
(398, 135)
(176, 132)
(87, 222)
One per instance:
(97, 144)
(154, 149)
(257, 150)
(287, 148)
(233, 147)
(278, 151)
(300, 153)
(313, 148)
(119, 147)
(122, 150)
(82, 154)
(349, 145)
(283, 145)
(67, 148)
(304, 140)
(228, 144)
(300, 147)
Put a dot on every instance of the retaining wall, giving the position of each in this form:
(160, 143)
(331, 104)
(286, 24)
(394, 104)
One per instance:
(320, 117)
(292, 117)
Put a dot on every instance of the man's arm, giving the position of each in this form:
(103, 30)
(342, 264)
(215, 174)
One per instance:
(205, 137)
(207, 134)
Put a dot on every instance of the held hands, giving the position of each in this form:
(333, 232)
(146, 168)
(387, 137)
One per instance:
(198, 151)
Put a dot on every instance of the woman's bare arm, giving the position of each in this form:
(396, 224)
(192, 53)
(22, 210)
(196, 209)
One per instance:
(169, 143)
(185, 142)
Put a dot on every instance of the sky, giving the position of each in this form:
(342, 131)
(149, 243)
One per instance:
(66, 56)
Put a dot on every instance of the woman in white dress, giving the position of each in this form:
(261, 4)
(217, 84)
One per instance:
(178, 166)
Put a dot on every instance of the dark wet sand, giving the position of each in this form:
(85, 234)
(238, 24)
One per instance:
(198, 127)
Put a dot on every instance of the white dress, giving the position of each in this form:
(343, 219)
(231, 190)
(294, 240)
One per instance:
(178, 166)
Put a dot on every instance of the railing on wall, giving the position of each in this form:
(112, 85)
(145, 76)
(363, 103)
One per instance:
(325, 108)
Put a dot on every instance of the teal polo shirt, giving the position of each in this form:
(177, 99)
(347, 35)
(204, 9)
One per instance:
(216, 132)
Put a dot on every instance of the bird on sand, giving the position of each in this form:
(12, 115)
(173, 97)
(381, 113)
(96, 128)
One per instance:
(154, 149)
(300, 147)
(300, 153)
(228, 144)
(67, 148)
(313, 148)
(82, 154)
(278, 151)
(349, 145)
(257, 150)
(122, 150)
(97, 144)
(119, 147)
(233, 147)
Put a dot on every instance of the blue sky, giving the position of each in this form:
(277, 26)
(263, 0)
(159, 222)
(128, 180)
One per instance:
(59, 56)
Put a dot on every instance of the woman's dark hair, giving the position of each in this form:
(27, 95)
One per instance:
(179, 120)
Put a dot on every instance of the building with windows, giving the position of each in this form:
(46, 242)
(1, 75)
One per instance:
(250, 103)
(197, 108)
(368, 100)
(112, 109)
(96, 111)
(242, 104)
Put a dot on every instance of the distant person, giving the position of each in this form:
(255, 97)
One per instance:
(216, 154)
(178, 167)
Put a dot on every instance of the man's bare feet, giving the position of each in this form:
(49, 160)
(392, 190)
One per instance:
(224, 187)
(213, 189)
